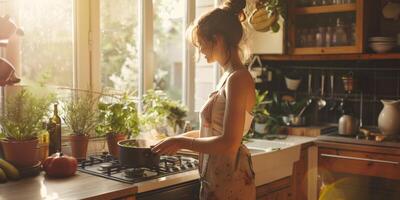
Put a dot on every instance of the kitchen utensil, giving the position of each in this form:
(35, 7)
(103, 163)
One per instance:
(304, 108)
(137, 153)
(309, 83)
(321, 101)
(348, 82)
(348, 125)
(293, 120)
(333, 102)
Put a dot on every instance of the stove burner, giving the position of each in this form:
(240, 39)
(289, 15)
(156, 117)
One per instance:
(134, 172)
(106, 166)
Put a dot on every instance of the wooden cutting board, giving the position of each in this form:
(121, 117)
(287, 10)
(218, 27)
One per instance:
(310, 131)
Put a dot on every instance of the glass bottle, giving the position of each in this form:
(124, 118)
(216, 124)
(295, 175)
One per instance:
(54, 128)
(339, 37)
(320, 36)
(328, 37)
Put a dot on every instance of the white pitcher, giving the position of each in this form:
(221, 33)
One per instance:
(389, 118)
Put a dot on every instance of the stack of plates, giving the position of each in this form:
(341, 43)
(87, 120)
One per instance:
(382, 44)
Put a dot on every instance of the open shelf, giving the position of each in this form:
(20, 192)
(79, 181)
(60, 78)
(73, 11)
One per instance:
(385, 56)
(325, 9)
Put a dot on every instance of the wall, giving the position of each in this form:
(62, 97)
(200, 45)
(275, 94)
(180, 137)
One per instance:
(375, 80)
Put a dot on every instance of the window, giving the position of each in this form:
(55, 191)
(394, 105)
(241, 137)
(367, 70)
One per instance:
(204, 83)
(108, 45)
(168, 41)
(46, 49)
(119, 44)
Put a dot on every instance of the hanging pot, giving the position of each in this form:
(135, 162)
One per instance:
(261, 19)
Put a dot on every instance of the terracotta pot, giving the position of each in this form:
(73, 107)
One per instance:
(79, 144)
(112, 143)
(21, 153)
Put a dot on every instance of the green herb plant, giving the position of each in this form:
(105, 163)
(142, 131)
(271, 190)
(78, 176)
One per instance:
(81, 114)
(118, 117)
(159, 110)
(24, 115)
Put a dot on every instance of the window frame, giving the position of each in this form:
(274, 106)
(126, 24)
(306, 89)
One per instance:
(86, 51)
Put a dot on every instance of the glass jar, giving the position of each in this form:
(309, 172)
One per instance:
(320, 37)
(339, 36)
(328, 36)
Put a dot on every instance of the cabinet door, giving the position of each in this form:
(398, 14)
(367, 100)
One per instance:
(362, 163)
(309, 25)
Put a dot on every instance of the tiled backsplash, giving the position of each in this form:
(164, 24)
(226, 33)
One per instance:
(374, 80)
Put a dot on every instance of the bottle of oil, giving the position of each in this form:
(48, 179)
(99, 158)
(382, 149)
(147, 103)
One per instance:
(54, 128)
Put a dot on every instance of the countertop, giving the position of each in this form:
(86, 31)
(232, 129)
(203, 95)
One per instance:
(84, 186)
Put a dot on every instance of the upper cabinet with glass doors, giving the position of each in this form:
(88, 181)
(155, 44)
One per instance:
(326, 26)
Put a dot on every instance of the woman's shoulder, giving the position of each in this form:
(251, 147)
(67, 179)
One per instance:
(242, 77)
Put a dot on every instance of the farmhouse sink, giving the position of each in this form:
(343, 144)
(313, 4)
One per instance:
(274, 159)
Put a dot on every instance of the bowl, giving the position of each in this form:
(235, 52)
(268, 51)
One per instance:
(294, 120)
(382, 47)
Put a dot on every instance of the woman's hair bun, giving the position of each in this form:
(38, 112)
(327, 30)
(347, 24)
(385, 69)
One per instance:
(235, 6)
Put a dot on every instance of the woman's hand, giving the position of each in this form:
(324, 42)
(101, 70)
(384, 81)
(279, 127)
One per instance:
(169, 146)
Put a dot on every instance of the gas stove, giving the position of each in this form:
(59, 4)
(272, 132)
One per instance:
(107, 166)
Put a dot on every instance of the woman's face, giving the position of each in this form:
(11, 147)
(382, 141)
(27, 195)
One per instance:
(207, 49)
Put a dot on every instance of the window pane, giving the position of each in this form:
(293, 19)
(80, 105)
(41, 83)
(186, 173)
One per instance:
(119, 44)
(168, 46)
(47, 46)
(204, 72)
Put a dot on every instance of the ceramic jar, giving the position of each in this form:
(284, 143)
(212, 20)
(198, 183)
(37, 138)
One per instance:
(389, 118)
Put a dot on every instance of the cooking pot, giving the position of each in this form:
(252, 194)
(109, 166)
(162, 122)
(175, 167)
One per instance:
(137, 153)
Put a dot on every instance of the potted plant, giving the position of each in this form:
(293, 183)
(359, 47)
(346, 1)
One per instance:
(159, 110)
(264, 14)
(20, 126)
(260, 112)
(80, 115)
(292, 80)
(117, 121)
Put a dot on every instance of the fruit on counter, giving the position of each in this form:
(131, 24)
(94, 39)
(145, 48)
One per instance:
(3, 176)
(60, 165)
(9, 169)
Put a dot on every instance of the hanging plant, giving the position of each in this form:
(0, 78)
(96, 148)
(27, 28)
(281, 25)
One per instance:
(266, 15)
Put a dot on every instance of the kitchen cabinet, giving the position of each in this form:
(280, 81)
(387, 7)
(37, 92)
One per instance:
(326, 29)
(289, 188)
(358, 171)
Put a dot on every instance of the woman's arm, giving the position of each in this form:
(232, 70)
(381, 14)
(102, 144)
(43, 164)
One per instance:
(238, 85)
(191, 134)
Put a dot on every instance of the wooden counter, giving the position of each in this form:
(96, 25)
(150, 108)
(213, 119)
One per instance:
(80, 186)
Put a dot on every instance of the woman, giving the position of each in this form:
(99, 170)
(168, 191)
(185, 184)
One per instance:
(225, 164)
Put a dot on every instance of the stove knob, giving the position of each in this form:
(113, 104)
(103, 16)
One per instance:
(189, 165)
(176, 168)
(184, 167)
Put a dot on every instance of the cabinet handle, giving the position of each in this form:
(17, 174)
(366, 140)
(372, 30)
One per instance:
(363, 159)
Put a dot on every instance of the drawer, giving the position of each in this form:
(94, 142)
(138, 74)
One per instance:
(361, 163)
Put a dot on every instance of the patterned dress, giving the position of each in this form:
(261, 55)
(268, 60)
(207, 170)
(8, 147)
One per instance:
(224, 177)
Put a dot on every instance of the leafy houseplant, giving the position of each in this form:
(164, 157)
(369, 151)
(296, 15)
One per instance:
(80, 115)
(160, 110)
(20, 126)
(267, 114)
(117, 120)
